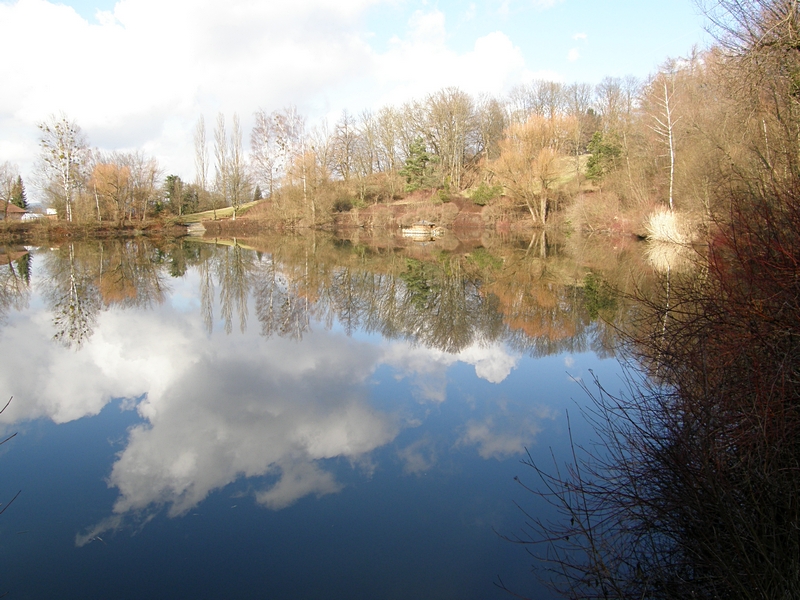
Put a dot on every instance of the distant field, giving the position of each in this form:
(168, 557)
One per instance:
(220, 213)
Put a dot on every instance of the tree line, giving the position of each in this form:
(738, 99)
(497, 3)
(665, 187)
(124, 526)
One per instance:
(642, 143)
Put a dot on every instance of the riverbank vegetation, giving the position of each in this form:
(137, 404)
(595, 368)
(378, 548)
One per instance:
(692, 490)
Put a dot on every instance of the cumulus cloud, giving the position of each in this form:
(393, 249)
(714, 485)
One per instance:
(149, 65)
(492, 363)
(422, 62)
(245, 413)
(140, 75)
(427, 367)
(505, 433)
(249, 410)
(118, 361)
(573, 55)
(296, 482)
(418, 457)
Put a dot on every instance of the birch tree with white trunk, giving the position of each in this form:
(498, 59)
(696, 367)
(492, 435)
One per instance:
(63, 155)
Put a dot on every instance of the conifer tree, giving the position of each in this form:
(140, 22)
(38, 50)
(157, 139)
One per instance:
(18, 196)
(416, 165)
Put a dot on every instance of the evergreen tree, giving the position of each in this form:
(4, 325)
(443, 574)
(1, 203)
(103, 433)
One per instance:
(416, 166)
(257, 195)
(604, 156)
(18, 196)
(173, 193)
(190, 199)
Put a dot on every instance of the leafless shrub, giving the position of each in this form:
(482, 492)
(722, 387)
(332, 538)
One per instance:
(665, 225)
(692, 489)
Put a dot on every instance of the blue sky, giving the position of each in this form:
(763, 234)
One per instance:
(621, 36)
(137, 74)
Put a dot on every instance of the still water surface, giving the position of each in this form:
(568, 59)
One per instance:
(287, 418)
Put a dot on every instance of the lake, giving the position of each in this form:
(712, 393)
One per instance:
(292, 417)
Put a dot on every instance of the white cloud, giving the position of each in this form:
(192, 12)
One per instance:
(422, 62)
(505, 432)
(418, 457)
(492, 363)
(573, 55)
(494, 443)
(427, 367)
(297, 481)
(246, 409)
(579, 36)
(150, 63)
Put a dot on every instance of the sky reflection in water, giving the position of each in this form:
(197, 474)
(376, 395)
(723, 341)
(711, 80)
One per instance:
(160, 458)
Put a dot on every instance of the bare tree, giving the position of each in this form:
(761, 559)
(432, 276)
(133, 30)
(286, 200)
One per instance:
(231, 184)
(450, 129)
(578, 101)
(110, 183)
(528, 162)
(8, 179)
(201, 154)
(663, 88)
(221, 162)
(490, 123)
(146, 174)
(290, 138)
(367, 161)
(239, 180)
(264, 151)
(289, 127)
(344, 140)
(610, 101)
(63, 153)
(744, 27)
(388, 139)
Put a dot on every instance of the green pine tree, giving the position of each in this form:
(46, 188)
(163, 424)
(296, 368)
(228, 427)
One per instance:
(18, 196)
(605, 154)
(415, 169)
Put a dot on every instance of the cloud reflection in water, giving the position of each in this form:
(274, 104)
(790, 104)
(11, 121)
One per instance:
(217, 407)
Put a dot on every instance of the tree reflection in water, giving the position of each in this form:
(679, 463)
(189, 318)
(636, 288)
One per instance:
(82, 278)
(15, 279)
(446, 301)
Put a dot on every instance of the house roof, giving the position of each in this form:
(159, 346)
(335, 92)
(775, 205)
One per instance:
(13, 208)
